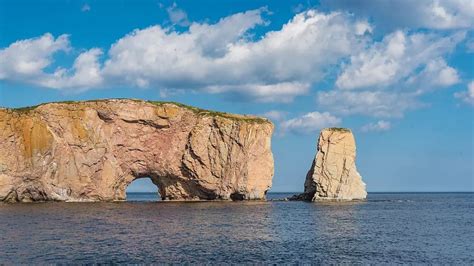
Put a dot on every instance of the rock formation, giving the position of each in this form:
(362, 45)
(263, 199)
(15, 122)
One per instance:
(333, 174)
(91, 151)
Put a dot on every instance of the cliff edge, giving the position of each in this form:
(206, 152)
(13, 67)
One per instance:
(91, 151)
(333, 174)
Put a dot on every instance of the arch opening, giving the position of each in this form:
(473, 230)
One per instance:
(143, 189)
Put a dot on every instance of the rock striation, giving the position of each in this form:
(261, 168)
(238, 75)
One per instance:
(333, 174)
(91, 151)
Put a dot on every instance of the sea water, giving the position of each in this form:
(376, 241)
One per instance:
(386, 228)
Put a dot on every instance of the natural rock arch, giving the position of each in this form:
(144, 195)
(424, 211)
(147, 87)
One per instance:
(91, 151)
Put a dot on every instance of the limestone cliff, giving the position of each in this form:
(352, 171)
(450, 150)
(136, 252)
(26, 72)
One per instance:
(91, 151)
(333, 174)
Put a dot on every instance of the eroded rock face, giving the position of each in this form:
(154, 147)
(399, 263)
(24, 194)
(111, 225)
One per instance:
(91, 151)
(333, 175)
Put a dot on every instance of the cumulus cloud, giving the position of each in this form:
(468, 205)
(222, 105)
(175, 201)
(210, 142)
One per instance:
(467, 96)
(27, 59)
(166, 58)
(84, 73)
(386, 78)
(381, 79)
(309, 123)
(363, 27)
(435, 74)
(397, 57)
(378, 126)
(220, 58)
(224, 57)
(429, 14)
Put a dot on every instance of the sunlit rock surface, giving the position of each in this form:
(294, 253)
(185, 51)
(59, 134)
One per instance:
(91, 151)
(333, 174)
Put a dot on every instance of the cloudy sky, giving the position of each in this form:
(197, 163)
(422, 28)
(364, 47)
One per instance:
(399, 73)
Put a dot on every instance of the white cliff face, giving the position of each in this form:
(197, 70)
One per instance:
(333, 175)
(91, 151)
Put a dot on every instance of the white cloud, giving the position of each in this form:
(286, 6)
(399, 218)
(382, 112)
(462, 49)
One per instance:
(378, 126)
(436, 74)
(363, 27)
(397, 58)
(26, 60)
(177, 16)
(386, 78)
(84, 73)
(310, 123)
(277, 67)
(448, 14)
(222, 58)
(369, 103)
(165, 58)
(393, 14)
(216, 58)
(467, 96)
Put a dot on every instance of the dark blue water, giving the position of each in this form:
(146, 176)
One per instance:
(387, 228)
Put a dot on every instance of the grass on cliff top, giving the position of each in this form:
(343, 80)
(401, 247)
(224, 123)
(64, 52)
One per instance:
(27, 109)
(339, 129)
(199, 111)
(23, 109)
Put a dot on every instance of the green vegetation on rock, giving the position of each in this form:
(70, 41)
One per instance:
(338, 129)
(199, 111)
(23, 109)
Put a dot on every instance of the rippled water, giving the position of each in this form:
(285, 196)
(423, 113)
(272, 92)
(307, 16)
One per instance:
(403, 228)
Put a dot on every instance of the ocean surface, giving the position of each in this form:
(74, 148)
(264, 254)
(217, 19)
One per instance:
(386, 228)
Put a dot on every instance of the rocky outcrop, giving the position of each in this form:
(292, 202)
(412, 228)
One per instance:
(91, 151)
(333, 174)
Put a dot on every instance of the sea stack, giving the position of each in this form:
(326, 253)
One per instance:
(91, 151)
(333, 174)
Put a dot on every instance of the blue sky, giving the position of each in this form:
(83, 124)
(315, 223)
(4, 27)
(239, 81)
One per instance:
(402, 81)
